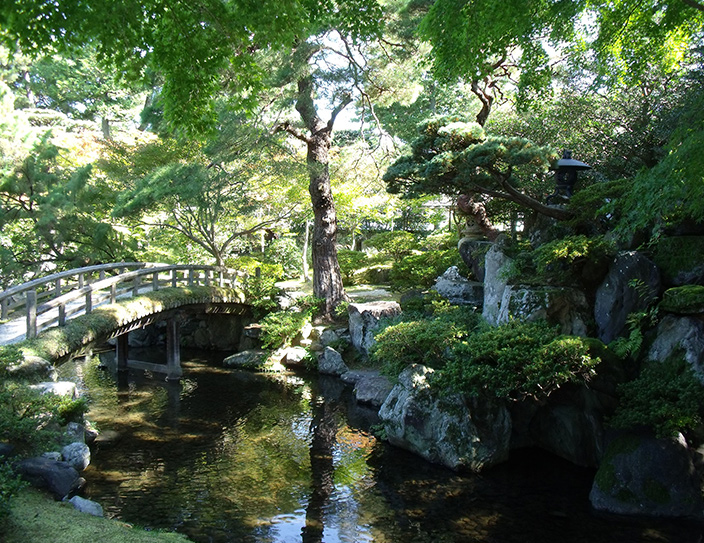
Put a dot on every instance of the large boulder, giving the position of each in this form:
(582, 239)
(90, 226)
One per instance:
(330, 362)
(33, 368)
(647, 476)
(495, 262)
(372, 388)
(364, 321)
(631, 285)
(76, 455)
(680, 335)
(459, 290)
(59, 478)
(473, 253)
(565, 306)
(253, 359)
(461, 434)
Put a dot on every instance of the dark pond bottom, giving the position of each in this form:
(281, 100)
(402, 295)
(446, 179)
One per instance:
(228, 456)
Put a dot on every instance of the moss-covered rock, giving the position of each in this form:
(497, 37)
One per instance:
(684, 300)
(646, 476)
(680, 259)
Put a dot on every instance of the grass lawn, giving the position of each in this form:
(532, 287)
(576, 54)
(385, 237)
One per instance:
(37, 518)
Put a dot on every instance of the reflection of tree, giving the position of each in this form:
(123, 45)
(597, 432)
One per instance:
(324, 431)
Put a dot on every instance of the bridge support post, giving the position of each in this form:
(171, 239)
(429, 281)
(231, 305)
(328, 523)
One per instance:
(31, 314)
(173, 350)
(121, 350)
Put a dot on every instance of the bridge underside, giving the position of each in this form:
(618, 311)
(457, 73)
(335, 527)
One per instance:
(173, 318)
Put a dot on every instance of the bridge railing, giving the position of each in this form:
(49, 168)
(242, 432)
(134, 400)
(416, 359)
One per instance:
(53, 299)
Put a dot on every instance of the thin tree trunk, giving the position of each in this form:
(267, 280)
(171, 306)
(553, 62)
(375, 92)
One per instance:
(306, 241)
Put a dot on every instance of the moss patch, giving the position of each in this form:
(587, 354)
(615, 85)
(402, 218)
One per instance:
(686, 300)
(36, 518)
(679, 254)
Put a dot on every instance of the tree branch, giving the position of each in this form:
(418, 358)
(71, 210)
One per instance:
(694, 4)
(292, 130)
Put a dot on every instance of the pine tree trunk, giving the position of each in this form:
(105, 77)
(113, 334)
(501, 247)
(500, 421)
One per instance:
(327, 278)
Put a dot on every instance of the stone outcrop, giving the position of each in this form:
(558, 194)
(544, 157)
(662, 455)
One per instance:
(330, 363)
(76, 455)
(59, 478)
(254, 359)
(565, 306)
(648, 476)
(683, 336)
(617, 297)
(86, 506)
(494, 283)
(461, 435)
(33, 368)
(372, 389)
(458, 290)
(364, 321)
(295, 356)
(473, 252)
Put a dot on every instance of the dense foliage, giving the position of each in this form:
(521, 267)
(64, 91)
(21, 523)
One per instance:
(666, 397)
(418, 338)
(517, 360)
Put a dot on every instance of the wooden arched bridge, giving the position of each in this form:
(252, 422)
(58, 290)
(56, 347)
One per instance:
(68, 311)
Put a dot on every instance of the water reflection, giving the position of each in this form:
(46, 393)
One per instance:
(229, 456)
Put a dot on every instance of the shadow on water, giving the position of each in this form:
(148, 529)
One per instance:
(227, 456)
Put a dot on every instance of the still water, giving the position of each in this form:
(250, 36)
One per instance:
(231, 456)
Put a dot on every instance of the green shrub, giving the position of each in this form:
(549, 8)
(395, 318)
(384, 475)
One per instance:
(261, 293)
(422, 339)
(350, 263)
(566, 261)
(285, 254)
(421, 270)
(280, 327)
(666, 397)
(516, 360)
(26, 416)
(396, 244)
(10, 485)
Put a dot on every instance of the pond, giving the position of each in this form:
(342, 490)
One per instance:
(231, 456)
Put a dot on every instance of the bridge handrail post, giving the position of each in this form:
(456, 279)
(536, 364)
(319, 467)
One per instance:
(62, 315)
(89, 301)
(155, 281)
(31, 298)
(174, 277)
(191, 277)
(57, 287)
(4, 308)
(113, 293)
(81, 280)
(135, 285)
(207, 273)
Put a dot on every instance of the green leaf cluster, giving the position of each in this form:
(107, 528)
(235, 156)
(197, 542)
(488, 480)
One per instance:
(395, 244)
(452, 156)
(516, 360)
(666, 397)
(570, 260)
(350, 263)
(280, 327)
(420, 270)
(422, 339)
